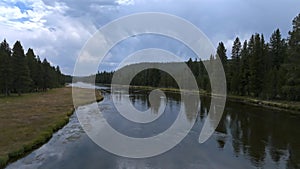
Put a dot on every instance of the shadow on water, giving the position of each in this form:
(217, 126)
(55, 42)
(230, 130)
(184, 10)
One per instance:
(246, 137)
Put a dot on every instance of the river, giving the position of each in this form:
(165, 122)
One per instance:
(247, 137)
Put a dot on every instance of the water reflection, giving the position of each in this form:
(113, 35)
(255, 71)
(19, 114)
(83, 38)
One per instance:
(246, 137)
(263, 136)
(267, 138)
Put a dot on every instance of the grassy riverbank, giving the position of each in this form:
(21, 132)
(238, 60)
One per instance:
(28, 121)
(292, 107)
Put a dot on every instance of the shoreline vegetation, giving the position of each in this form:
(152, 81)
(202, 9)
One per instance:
(257, 70)
(292, 106)
(28, 121)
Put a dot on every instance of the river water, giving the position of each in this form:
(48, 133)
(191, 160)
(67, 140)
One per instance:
(247, 137)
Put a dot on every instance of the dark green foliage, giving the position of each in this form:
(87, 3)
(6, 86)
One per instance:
(256, 68)
(47, 75)
(268, 70)
(21, 78)
(292, 87)
(278, 48)
(51, 76)
(5, 68)
(235, 74)
(244, 88)
(256, 64)
(155, 78)
(3, 161)
(221, 51)
(40, 81)
(25, 73)
(104, 77)
(274, 72)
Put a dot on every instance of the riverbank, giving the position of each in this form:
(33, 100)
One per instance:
(28, 121)
(292, 107)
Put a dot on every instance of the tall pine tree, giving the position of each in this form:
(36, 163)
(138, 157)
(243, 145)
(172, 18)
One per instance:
(292, 86)
(235, 66)
(21, 77)
(245, 70)
(256, 64)
(5, 68)
(221, 51)
(33, 68)
(274, 73)
(277, 49)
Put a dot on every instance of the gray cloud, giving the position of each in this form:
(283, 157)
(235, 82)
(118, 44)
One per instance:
(65, 25)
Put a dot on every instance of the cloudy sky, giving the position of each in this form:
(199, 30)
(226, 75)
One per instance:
(58, 29)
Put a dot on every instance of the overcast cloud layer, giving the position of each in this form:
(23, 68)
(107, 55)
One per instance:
(58, 29)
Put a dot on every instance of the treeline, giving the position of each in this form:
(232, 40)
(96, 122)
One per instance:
(20, 72)
(269, 70)
(256, 68)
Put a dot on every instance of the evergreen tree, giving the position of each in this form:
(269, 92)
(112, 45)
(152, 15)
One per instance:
(33, 68)
(245, 70)
(5, 68)
(59, 77)
(23, 73)
(40, 74)
(47, 81)
(277, 49)
(235, 66)
(292, 86)
(221, 51)
(256, 68)
(21, 77)
(274, 76)
(256, 64)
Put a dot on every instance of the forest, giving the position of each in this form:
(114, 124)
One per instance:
(256, 68)
(20, 72)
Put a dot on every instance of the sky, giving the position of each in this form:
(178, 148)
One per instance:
(58, 29)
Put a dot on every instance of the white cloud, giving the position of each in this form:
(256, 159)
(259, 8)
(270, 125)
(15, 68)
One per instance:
(58, 29)
(47, 30)
(32, 18)
(10, 12)
(125, 2)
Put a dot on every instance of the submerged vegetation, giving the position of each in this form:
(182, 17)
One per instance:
(28, 121)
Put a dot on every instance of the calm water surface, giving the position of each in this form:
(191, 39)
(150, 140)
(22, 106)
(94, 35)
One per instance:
(247, 137)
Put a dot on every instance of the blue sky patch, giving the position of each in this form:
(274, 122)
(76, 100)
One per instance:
(24, 19)
(22, 6)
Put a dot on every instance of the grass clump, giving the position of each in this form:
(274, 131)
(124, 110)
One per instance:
(3, 160)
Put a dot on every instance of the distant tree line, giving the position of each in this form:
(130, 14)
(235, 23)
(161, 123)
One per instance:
(268, 70)
(20, 72)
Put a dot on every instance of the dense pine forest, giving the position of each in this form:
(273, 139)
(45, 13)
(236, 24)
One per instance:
(256, 68)
(20, 72)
